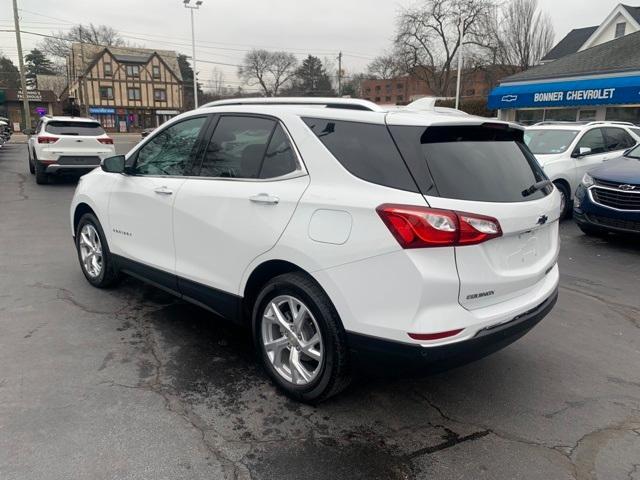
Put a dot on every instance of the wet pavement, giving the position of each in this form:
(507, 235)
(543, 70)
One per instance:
(132, 383)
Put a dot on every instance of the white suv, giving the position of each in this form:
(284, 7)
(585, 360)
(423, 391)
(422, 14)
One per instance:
(67, 145)
(568, 150)
(334, 229)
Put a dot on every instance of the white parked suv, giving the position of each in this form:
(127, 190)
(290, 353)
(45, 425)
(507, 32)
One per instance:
(335, 229)
(67, 145)
(567, 150)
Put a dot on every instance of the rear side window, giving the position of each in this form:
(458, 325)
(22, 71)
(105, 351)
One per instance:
(365, 150)
(87, 129)
(473, 162)
(618, 139)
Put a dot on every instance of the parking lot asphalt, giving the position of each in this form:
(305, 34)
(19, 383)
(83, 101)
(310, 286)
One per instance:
(131, 383)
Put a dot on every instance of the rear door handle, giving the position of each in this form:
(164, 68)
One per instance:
(265, 199)
(163, 191)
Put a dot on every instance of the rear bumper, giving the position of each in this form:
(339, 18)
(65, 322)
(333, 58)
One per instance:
(384, 353)
(79, 169)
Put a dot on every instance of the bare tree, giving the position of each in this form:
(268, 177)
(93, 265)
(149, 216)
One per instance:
(269, 70)
(523, 34)
(60, 45)
(385, 66)
(216, 84)
(429, 37)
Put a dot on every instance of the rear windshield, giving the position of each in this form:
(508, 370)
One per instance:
(548, 142)
(87, 129)
(478, 163)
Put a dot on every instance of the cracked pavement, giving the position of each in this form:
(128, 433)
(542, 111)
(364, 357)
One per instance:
(132, 383)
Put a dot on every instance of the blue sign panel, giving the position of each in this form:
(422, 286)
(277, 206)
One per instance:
(600, 91)
(102, 110)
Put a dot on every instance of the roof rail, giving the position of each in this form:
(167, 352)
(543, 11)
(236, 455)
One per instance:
(557, 122)
(328, 102)
(600, 122)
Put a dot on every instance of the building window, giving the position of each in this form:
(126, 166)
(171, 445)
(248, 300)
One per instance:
(401, 98)
(133, 94)
(387, 99)
(106, 93)
(107, 69)
(377, 99)
(470, 93)
(367, 90)
(620, 29)
(378, 87)
(133, 70)
(388, 87)
(399, 86)
(160, 95)
(155, 69)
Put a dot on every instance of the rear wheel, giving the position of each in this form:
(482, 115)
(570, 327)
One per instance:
(300, 338)
(32, 168)
(565, 200)
(93, 253)
(42, 177)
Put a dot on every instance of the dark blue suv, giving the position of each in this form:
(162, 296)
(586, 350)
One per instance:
(608, 199)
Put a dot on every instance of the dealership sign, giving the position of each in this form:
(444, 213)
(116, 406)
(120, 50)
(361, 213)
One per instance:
(102, 110)
(601, 91)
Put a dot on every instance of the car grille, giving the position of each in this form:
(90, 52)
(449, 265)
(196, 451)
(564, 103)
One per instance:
(617, 198)
(607, 183)
(628, 225)
(78, 160)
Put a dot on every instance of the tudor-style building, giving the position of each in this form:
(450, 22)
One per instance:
(126, 89)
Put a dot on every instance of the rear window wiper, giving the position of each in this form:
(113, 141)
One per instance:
(535, 187)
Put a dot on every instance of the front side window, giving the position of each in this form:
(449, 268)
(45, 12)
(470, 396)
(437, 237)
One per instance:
(170, 152)
(237, 147)
(618, 139)
(160, 95)
(134, 94)
(593, 139)
(549, 142)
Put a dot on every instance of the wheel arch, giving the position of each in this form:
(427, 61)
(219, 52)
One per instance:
(81, 209)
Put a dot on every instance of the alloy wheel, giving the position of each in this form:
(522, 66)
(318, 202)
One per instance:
(292, 340)
(90, 250)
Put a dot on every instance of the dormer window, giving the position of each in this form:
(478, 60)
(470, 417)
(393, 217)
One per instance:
(620, 29)
(133, 70)
(107, 69)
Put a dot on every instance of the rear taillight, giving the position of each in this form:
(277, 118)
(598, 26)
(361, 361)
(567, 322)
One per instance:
(421, 227)
(43, 139)
(106, 141)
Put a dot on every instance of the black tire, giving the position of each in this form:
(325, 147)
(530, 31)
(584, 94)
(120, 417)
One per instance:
(568, 208)
(32, 168)
(334, 374)
(592, 231)
(42, 177)
(109, 274)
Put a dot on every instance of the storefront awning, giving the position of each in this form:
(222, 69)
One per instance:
(600, 91)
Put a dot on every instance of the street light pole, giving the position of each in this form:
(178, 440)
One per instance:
(193, 47)
(23, 79)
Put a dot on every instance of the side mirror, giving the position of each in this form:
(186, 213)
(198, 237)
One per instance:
(113, 164)
(581, 152)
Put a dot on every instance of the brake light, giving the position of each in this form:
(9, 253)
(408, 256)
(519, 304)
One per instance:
(106, 141)
(422, 227)
(43, 139)
(435, 336)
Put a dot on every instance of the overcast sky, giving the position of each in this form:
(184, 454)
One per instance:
(225, 29)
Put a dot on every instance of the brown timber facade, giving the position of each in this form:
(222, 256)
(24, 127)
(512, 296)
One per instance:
(126, 89)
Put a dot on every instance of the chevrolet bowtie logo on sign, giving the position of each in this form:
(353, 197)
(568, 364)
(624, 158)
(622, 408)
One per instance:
(627, 187)
(509, 98)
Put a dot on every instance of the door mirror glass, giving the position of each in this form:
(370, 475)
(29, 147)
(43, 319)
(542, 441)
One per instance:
(584, 151)
(113, 164)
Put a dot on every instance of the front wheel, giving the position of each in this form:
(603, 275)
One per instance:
(32, 168)
(95, 259)
(300, 338)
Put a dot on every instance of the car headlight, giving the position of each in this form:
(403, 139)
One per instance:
(587, 180)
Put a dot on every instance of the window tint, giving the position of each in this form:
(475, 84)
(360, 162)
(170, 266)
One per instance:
(365, 150)
(280, 158)
(237, 147)
(618, 139)
(59, 127)
(547, 142)
(593, 139)
(170, 151)
(471, 163)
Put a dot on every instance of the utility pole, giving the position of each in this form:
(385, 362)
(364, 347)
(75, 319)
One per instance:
(23, 78)
(193, 47)
(340, 74)
(460, 53)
